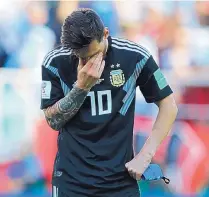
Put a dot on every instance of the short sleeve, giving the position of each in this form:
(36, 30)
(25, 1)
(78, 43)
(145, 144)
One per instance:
(51, 90)
(152, 82)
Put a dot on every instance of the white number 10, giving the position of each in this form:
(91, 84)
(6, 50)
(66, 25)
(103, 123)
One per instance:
(100, 95)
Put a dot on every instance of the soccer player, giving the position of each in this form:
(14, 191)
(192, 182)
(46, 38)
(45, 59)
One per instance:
(88, 95)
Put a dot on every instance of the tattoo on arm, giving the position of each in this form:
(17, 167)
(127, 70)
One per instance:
(62, 111)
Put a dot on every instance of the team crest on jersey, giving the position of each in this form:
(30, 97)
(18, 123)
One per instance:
(117, 78)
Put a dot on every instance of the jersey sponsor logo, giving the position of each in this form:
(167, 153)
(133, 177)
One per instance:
(57, 173)
(46, 89)
(117, 78)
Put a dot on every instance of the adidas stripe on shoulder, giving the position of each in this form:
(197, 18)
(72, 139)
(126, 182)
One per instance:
(55, 53)
(120, 43)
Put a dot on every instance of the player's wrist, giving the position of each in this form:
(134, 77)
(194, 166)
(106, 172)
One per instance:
(150, 146)
(81, 87)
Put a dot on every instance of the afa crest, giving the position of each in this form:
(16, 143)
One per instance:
(117, 78)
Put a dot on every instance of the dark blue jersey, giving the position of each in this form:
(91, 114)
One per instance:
(95, 144)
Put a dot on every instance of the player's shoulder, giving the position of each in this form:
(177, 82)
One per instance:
(56, 55)
(129, 47)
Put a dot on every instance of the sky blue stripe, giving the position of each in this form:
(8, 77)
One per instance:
(130, 86)
(129, 100)
(128, 83)
(128, 94)
(53, 70)
(140, 65)
(65, 88)
(125, 87)
(135, 75)
(132, 80)
(127, 104)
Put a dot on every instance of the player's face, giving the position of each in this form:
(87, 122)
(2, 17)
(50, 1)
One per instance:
(94, 48)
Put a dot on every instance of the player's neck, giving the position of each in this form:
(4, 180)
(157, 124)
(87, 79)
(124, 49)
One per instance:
(105, 48)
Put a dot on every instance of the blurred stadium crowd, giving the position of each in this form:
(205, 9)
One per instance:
(175, 32)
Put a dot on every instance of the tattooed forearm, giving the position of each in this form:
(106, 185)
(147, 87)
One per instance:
(62, 111)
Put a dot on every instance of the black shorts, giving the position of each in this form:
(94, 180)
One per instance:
(56, 192)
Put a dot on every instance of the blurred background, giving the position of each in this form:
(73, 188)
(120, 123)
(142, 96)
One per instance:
(175, 32)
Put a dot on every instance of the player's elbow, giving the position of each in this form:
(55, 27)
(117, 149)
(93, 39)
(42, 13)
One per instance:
(169, 106)
(173, 107)
(173, 110)
(54, 125)
(53, 120)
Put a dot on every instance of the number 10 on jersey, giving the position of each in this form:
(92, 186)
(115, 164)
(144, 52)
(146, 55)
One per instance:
(102, 98)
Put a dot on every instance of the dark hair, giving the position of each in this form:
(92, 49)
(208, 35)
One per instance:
(80, 28)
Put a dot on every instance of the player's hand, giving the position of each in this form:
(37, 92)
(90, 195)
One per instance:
(138, 165)
(89, 73)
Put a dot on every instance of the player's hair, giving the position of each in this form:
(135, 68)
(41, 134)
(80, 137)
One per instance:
(80, 28)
